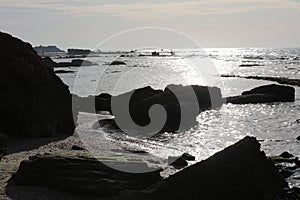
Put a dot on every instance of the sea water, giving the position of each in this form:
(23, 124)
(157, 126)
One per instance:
(275, 125)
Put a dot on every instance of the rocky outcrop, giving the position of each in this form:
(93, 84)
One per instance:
(265, 94)
(180, 105)
(74, 63)
(280, 80)
(34, 101)
(241, 171)
(82, 175)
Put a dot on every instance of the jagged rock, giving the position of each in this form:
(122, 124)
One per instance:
(82, 175)
(116, 62)
(240, 171)
(34, 101)
(265, 94)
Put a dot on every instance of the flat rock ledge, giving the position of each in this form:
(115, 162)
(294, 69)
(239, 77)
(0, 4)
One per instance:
(281, 80)
(240, 171)
(264, 94)
(82, 175)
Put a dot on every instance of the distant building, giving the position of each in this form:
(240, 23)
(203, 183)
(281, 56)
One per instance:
(42, 50)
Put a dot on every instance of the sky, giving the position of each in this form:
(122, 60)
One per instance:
(126, 24)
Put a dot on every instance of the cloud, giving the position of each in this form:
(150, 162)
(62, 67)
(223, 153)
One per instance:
(150, 9)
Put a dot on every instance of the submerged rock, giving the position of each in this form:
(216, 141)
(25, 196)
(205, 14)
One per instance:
(34, 101)
(81, 175)
(265, 94)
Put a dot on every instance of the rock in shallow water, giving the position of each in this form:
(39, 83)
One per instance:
(148, 110)
(265, 94)
(34, 101)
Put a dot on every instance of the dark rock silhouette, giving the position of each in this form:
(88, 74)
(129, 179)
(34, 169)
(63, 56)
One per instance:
(63, 72)
(265, 94)
(188, 157)
(77, 148)
(241, 171)
(286, 155)
(82, 175)
(74, 63)
(116, 62)
(34, 101)
(298, 138)
(281, 80)
(181, 104)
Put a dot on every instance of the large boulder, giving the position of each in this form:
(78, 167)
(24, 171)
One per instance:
(34, 101)
(241, 171)
(265, 94)
(180, 105)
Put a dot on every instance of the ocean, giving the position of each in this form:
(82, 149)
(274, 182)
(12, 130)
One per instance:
(275, 125)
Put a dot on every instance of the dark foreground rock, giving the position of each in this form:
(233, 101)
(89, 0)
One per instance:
(241, 171)
(81, 175)
(74, 63)
(34, 101)
(265, 94)
(281, 80)
(174, 108)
